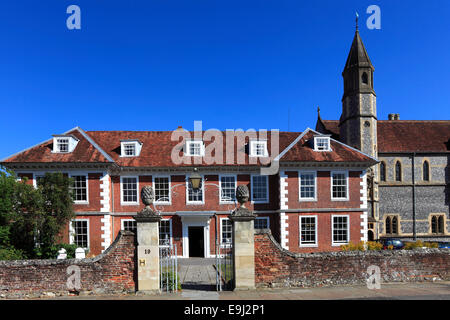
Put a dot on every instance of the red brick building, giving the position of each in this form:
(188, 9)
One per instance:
(314, 200)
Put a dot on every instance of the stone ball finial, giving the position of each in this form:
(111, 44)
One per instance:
(242, 194)
(147, 195)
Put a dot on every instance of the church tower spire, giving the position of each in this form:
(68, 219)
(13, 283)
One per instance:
(358, 121)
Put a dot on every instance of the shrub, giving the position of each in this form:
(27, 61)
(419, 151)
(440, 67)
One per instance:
(11, 253)
(362, 246)
(373, 245)
(171, 282)
(420, 244)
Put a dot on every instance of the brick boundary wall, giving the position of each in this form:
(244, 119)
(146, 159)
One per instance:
(113, 271)
(277, 267)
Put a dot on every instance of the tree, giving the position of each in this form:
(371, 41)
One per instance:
(57, 205)
(31, 218)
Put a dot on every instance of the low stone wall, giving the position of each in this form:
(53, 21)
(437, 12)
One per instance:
(277, 267)
(113, 271)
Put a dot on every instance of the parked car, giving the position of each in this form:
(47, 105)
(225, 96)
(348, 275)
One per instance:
(395, 243)
(443, 245)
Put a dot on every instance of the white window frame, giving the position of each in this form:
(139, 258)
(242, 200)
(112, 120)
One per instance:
(225, 201)
(307, 245)
(59, 142)
(122, 223)
(73, 174)
(253, 148)
(337, 244)
(347, 186)
(263, 218)
(170, 233)
(131, 148)
(188, 148)
(71, 143)
(137, 148)
(316, 143)
(72, 232)
(267, 189)
(129, 203)
(165, 203)
(203, 192)
(228, 244)
(314, 173)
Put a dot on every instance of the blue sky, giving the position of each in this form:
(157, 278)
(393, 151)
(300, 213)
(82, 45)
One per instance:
(158, 64)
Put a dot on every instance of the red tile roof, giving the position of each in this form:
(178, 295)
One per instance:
(157, 146)
(84, 152)
(406, 135)
(303, 151)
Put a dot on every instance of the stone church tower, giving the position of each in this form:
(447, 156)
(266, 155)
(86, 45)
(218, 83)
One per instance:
(358, 122)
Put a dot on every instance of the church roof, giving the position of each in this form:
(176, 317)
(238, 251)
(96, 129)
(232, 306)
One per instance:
(403, 135)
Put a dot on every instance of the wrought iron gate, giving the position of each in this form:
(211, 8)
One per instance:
(168, 268)
(224, 267)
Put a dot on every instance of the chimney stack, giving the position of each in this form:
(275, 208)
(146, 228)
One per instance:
(394, 116)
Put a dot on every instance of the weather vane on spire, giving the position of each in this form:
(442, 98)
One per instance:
(357, 17)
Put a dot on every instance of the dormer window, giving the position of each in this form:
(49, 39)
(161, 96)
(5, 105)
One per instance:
(130, 148)
(322, 143)
(195, 148)
(258, 148)
(64, 144)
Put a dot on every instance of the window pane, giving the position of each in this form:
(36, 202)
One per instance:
(398, 171)
(80, 236)
(340, 232)
(339, 185)
(129, 225)
(164, 233)
(162, 190)
(426, 171)
(228, 188)
(227, 231)
(129, 189)
(258, 148)
(322, 144)
(308, 230)
(261, 223)
(79, 188)
(195, 148)
(382, 171)
(195, 195)
(388, 225)
(259, 188)
(441, 224)
(129, 149)
(307, 186)
(63, 145)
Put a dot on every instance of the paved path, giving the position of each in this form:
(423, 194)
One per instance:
(197, 274)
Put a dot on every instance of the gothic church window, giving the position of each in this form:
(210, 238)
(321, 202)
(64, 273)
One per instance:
(398, 171)
(391, 226)
(426, 171)
(382, 171)
(437, 224)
